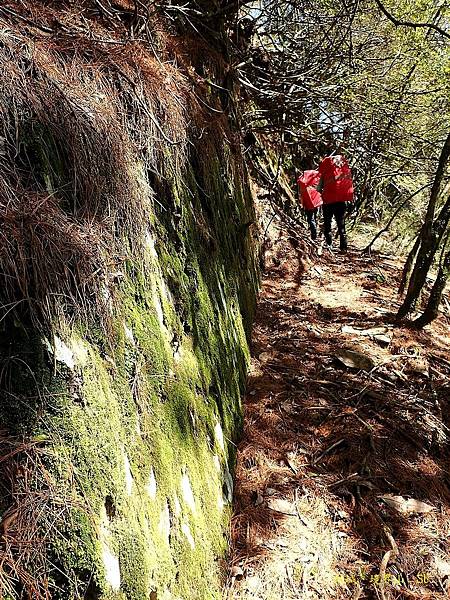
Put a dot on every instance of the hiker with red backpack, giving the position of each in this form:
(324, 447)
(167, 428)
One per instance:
(310, 198)
(336, 186)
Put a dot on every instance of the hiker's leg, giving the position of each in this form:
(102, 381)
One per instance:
(327, 218)
(311, 217)
(339, 213)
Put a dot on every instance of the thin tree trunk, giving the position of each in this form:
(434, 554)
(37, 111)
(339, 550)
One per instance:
(440, 173)
(429, 247)
(431, 311)
(430, 236)
(392, 219)
(407, 269)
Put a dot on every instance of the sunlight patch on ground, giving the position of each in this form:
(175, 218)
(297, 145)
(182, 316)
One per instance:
(300, 559)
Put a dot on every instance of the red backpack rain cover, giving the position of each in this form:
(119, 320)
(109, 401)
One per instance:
(337, 180)
(309, 196)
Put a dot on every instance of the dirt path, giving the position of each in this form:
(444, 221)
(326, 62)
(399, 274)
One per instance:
(331, 454)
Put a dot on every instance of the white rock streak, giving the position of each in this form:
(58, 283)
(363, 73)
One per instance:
(188, 495)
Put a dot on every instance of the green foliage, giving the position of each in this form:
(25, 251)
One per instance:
(345, 76)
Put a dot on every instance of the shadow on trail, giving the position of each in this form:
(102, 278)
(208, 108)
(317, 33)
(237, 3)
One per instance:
(314, 428)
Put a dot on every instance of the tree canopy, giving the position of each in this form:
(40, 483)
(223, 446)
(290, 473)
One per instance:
(366, 76)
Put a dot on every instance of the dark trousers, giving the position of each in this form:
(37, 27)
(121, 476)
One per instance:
(312, 224)
(336, 210)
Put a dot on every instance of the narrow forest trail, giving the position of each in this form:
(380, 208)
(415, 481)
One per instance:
(331, 454)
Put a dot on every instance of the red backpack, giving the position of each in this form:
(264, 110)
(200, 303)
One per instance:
(337, 184)
(309, 196)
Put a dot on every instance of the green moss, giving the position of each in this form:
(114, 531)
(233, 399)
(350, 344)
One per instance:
(150, 398)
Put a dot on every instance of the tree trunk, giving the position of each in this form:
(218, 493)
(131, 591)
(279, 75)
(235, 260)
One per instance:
(428, 248)
(440, 173)
(431, 311)
(407, 269)
(391, 220)
(430, 236)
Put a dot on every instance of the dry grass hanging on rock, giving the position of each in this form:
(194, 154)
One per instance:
(82, 128)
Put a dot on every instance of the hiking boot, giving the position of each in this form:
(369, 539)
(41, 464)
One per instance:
(343, 247)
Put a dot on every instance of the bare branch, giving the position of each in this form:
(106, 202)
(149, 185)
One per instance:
(399, 23)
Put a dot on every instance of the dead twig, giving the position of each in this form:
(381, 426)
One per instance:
(327, 451)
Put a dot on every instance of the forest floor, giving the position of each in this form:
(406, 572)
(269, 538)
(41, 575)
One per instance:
(342, 481)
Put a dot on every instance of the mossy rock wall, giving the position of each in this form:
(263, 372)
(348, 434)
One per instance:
(124, 423)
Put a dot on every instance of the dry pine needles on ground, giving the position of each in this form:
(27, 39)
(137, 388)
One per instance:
(342, 477)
